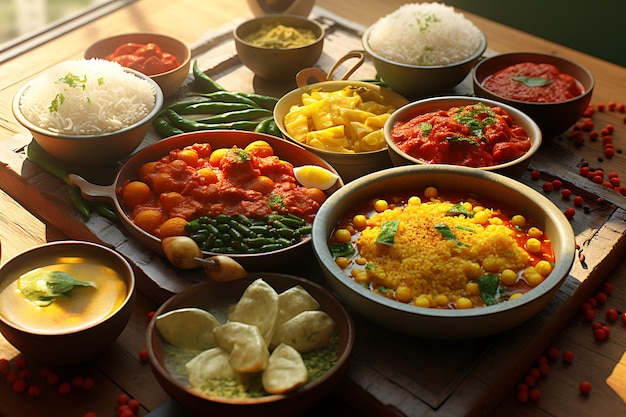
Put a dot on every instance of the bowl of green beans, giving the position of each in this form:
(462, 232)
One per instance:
(261, 218)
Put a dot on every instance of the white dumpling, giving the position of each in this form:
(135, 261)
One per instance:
(248, 350)
(188, 328)
(294, 301)
(207, 365)
(306, 332)
(258, 306)
(285, 371)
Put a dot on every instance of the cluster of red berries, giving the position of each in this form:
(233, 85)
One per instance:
(527, 389)
(611, 180)
(601, 331)
(587, 125)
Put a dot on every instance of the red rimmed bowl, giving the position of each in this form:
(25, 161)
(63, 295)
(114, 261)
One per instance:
(286, 150)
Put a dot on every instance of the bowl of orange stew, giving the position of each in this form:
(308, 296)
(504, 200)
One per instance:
(240, 185)
(464, 131)
(443, 251)
(163, 58)
(554, 91)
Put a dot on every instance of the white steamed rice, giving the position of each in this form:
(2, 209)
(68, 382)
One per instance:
(424, 34)
(87, 97)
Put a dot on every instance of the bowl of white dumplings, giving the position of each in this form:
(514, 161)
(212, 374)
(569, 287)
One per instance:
(267, 345)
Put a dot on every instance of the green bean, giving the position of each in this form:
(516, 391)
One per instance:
(237, 115)
(204, 83)
(258, 242)
(164, 128)
(267, 102)
(213, 107)
(105, 210)
(262, 126)
(180, 105)
(273, 129)
(79, 202)
(241, 228)
(230, 97)
(189, 125)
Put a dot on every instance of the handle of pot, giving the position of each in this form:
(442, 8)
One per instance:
(90, 191)
(316, 75)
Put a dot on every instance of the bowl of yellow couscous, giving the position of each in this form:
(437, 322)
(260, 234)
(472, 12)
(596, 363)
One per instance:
(442, 251)
(341, 122)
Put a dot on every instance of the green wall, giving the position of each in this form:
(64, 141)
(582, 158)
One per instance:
(595, 27)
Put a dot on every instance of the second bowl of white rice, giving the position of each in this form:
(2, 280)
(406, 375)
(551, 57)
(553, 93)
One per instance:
(88, 112)
(424, 49)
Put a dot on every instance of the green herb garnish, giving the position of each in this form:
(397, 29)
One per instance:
(447, 233)
(276, 201)
(73, 81)
(341, 249)
(459, 209)
(465, 228)
(56, 102)
(532, 81)
(489, 286)
(42, 286)
(462, 139)
(425, 129)
(387, 232)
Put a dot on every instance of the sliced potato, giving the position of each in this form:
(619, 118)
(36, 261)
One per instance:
(285, 371)
(210, 364)
(306, 332)
(188, 328)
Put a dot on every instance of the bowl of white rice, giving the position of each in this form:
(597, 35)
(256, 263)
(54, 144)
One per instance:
(88, 112)
(424, 49)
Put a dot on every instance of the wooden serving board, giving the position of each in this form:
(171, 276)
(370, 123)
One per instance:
(390, 374)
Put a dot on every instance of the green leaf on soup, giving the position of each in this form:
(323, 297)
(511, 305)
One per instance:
(531, 81)
(460, 139)
(465, 228)
(447, 233)
(341, 249)
(387, 233)
(43, 286)
(489, 286)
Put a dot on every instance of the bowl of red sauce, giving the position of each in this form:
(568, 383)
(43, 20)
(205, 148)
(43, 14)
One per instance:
(552, 90)
(463, 131)
(163, 58)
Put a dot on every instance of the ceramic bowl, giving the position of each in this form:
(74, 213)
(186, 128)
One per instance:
(278, 64)
(552, 118)
(513, 168)
(97, 149)
(169, 81)
(85, 332)
(414, 81)
(437, 323)
(349, 165)
(286, 150)
(216, 298)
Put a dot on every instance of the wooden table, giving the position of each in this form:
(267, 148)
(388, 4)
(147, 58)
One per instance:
(35, 209)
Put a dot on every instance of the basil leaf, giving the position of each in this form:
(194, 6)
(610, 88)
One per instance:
(447, 234)
(531, 81)
(458, 209)
(42, 286)
(489, 286)
(465, 228)
(387, 232)
(341, 249)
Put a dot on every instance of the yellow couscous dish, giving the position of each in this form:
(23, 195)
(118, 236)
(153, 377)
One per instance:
(441, 252)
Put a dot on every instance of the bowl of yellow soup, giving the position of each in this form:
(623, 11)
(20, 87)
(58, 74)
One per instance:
(65, 302)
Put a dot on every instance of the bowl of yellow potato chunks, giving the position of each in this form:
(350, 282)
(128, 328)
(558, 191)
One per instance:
(341, 122)
(268, 344)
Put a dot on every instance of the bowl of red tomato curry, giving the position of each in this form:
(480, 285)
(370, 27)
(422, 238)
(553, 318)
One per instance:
(163, 58)
(235, 193)
(552, 90)
(464, 131)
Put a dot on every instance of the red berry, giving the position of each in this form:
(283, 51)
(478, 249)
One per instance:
(585, 387)
(569, 212)
(34, 391)
(557, 184)
(584, 170)
(553, 353)
(20, 362)
(544, 369)
(52, 379)
(578, 200)
(5, 365)
(88, 384)
(44, 372)
(134, 405)
(151, 314)
(534, 372)
(123, 399)
(65, 388)
(522, 396)
(77, 382)
(530, 380)
(143, 355)
(609, 152)
(534, 395)
(566, 193)
(601, 297)
(19, 386)
(90, 414)
(25, 374)
(599, 334)
(611, 314)
(597, 325)
(11, 376)
(568, 356)
(607, 330)
(589, 315)
(547, 186)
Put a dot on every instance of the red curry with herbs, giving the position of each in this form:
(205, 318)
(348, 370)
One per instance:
(474, 135)
(528, 81)
(148, 59)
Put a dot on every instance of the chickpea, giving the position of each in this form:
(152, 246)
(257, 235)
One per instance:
(535, 232)
(360, 276)
(544, 268)
(414, 201)
(421, 301)
(508, 277)
(533, 245)
(342, 235)
(381, 205)
(481, 217)
(472, 288)
(515, 295)
(342, 262)
(359, 222)
(431, 192)
(442, 300)
(403, 293)
(518, 220)
(464, 302)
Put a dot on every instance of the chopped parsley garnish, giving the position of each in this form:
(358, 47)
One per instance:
(531, 81)
(425, 129)
(276, 201)
(56, 102)
(72, 81)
